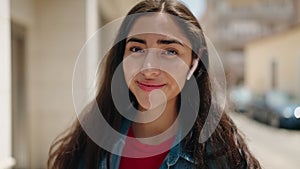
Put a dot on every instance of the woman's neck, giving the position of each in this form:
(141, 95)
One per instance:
(160, 120)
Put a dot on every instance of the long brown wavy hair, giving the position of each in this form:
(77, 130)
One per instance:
(74, 144)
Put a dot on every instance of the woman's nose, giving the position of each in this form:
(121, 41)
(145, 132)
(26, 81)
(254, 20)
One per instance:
(151, 64)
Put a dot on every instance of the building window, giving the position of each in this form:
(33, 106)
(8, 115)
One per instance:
(274, 74)
(298, 75)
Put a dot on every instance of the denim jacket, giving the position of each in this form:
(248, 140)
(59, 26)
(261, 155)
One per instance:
(176, 158)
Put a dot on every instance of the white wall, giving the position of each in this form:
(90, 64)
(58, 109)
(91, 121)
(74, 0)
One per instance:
(55, 31)
(5, 87)
(61, 33)
(23, 15)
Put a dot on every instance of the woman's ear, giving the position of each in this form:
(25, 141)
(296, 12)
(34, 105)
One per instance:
(192, 70)
(195, 63)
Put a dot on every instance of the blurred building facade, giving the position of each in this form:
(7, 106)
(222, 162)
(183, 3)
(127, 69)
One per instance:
(230, 24)
(273, 62)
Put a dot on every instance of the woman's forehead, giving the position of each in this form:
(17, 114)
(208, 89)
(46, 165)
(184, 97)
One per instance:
(159, 24)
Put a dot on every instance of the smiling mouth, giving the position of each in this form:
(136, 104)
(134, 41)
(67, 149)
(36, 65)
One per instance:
(149, 87)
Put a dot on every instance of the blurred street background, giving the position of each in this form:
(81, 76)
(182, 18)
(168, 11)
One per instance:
(258, 42)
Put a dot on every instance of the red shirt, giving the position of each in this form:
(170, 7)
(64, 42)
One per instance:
(138, 149)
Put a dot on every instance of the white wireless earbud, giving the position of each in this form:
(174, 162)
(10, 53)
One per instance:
(195, 64)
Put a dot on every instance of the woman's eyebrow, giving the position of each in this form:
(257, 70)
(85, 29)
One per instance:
(136, 40)
(161, 41)
(169, 41)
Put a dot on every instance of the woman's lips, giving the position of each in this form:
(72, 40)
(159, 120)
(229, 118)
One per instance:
(149, 86)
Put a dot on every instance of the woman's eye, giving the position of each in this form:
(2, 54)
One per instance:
(136, 50)
(170, 52)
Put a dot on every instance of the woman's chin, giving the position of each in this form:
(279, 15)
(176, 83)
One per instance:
(144, 106)
(149, 106)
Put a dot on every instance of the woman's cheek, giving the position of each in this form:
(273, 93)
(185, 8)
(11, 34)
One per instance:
(177, 71)
(131, 67)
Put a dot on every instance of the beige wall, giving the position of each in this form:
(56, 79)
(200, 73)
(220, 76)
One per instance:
(239, 3)
(282, 48)
(56, 31)
(114, 9)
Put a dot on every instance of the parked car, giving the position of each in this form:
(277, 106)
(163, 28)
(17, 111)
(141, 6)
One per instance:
(277, 109)
(241, 98)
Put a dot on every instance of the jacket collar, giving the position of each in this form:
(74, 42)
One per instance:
(175, 153)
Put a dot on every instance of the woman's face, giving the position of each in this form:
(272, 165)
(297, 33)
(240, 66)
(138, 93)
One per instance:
(156, 60)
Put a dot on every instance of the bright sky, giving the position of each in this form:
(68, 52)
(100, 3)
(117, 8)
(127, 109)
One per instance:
(196, 6)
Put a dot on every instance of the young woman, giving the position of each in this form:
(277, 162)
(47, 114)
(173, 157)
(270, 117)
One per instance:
(161, 50)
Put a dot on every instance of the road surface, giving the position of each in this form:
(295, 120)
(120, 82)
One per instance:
(274, 148)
